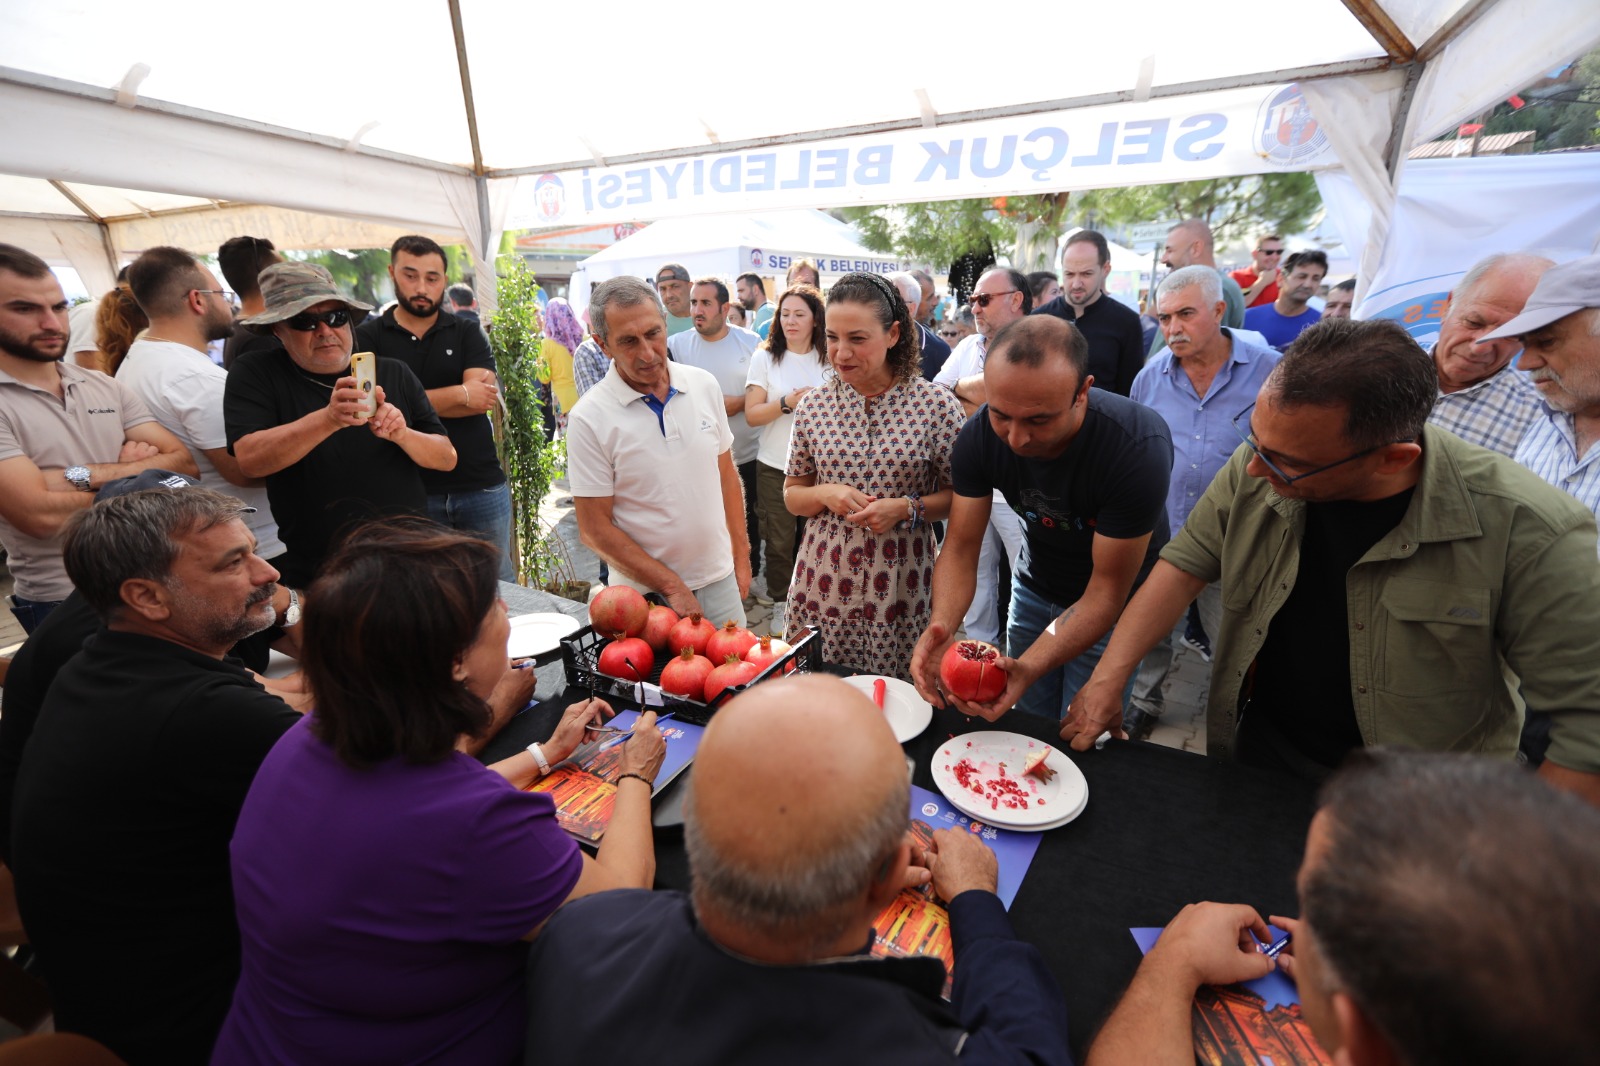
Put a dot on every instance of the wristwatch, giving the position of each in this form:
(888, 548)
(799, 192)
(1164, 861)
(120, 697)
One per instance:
(78, 476)
(291, 614)
(783, 405)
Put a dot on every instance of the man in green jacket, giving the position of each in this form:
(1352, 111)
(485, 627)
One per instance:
(1383, 582)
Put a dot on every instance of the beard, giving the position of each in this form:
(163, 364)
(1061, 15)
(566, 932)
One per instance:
(219, 326)
(28, 348)
(421, 305)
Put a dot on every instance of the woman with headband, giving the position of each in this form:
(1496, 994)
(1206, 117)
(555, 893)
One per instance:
(869, 467)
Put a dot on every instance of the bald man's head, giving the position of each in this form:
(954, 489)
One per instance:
(799, 806)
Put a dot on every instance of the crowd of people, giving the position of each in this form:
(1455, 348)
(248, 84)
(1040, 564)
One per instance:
(1384, 547)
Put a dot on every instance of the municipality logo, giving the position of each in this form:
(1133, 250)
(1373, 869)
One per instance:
(549, 197)
(1287, 133)
(755, 257)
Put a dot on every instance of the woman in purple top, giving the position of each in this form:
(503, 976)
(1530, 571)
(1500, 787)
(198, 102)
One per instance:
(386, 882)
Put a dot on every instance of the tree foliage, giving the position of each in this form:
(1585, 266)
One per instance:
(363, 273)
(1565, 114)
(1024, 228)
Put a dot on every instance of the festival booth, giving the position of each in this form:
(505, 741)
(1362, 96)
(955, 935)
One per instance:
(726, 246)
(148, 99)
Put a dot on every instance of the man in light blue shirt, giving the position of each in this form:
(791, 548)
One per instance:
(1205, 376)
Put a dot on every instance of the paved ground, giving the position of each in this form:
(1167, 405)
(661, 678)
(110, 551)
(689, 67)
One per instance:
(1182, 724)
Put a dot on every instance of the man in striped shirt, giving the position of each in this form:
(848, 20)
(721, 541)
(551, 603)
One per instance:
(1482, 397)
(1560, 332)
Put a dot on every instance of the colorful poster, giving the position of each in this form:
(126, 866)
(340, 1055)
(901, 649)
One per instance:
(582, 786)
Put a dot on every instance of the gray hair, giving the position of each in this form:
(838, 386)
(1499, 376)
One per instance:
(136, 537)
(910, 288)
(1206, 279)
(963, 316)
(806, 898)
(623, 292)
(1502, 262)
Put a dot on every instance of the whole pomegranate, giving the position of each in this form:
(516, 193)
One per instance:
(766, 651)
(628, 658)
(733, 671)
(969, 671)
(685, 674)
(731, 639)
(619, 609)
(692, 632)
(658, 628)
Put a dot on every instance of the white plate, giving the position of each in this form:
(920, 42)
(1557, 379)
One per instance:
(908, 713)
(539, 634)
(1050, 803)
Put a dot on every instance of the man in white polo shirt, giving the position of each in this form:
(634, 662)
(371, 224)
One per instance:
(649, 456)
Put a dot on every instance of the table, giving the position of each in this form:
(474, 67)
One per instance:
(1163, 828)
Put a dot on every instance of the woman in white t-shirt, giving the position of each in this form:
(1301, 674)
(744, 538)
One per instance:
(788, 364)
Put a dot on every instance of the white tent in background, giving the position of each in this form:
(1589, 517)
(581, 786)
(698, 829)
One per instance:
(447, 140)
(729, 245)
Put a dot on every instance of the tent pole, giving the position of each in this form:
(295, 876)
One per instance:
(89, 212)
(1395, 151)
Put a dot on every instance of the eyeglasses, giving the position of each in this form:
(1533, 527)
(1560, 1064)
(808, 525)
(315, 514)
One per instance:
(306, 322)
(224, 293)
(984, 299)
(1246, 435)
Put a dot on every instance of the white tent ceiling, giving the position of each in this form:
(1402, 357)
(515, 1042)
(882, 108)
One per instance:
(424, 114)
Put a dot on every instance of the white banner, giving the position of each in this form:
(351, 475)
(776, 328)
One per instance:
(1235, 131)
(1453, 212)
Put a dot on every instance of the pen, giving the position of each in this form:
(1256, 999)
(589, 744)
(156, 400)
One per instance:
(625, 736)
(1274, 949)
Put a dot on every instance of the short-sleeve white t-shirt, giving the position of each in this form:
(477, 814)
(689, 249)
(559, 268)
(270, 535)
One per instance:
(794, 371)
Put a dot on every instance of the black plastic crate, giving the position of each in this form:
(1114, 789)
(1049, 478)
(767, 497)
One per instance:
(580, 654)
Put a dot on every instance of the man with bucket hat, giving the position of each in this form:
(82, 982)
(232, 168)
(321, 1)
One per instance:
(1559, 328)
(297, 418)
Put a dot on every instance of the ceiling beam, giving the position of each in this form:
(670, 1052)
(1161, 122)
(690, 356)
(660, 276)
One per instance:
(1376, 20)
(466, 86)
(1453, 27)
(75, 199)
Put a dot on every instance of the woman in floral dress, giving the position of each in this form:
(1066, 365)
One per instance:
(869, 466)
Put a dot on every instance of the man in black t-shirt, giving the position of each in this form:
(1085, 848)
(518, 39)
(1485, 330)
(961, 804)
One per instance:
(450, 356)
(132, 781)
(297, 417)
(1087, 471)
(242, 259)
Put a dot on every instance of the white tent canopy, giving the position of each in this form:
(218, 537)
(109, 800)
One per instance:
(420, 115)
(726, 246)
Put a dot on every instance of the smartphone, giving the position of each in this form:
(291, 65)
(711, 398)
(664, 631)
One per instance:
(364, 368)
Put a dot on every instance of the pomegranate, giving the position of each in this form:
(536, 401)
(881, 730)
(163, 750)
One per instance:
(619, 609)
(734, 671)
(766, 651)
(685, 675)
(732, 640)
(969, 673)
(658, 628)
(1035, 765)
(628, 658)
(693, 632)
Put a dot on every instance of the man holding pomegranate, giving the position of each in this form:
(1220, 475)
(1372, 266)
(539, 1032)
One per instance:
(649, 459)
(1383, 581)
(1088, 472)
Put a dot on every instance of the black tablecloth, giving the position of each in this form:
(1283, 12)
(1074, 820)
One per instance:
(1163, 828)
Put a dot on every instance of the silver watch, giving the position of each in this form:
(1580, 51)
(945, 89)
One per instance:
(291, 614)
(78, 476)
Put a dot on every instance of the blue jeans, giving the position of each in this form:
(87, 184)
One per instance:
(484, 513)
(1051, 695)
(32, 613)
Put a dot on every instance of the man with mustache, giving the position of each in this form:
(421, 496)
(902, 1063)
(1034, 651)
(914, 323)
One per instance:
(133, 778)
(297, 417)
(64, 432)
(1281, 321)
(1482, 398)
(450, 355)
(1559, 330)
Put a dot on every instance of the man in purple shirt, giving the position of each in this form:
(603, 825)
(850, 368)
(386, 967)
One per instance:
(1204, 377)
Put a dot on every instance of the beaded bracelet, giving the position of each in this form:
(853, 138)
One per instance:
(638, 777)
(914, 510)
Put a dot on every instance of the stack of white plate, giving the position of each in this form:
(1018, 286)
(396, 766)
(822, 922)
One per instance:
(1050, 803)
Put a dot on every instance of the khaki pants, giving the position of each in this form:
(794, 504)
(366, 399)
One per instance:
(780, 531)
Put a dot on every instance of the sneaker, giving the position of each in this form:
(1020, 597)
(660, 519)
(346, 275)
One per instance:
(1138, 723)
(1199, 645)
(762, 600)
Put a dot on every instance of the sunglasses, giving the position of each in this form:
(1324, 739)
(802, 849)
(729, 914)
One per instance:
(984, 299)
(306, 322)
(949, 333)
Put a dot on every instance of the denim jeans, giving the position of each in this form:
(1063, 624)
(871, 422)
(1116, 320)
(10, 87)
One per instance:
(484, 513)
(31, 614)
(1051, 695)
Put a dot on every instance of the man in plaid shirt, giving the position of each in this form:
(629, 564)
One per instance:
(1482, 397)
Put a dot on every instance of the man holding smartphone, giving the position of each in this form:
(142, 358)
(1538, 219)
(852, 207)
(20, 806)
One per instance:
(297, 417)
